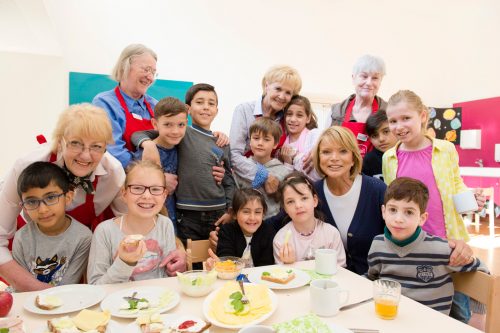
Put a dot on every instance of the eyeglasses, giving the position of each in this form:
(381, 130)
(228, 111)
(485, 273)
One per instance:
(78, 147)
(140, 189)
(149, 70)
(49, 200)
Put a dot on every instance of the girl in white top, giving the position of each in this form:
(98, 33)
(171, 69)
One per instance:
(302, 132)
(136, 245)
(305, 233)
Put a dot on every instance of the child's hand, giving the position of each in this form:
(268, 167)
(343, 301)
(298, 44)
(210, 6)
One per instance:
(288, 153)
(150, 152)
(271, 185)
(214, 238)
(307, 163)
(480, 198)
(209, 264)
(461, 254)
(287, 254)
(223, 219)
(174, 262)
(171, 182)
(131, 257)
(222, 139)
(218, 172)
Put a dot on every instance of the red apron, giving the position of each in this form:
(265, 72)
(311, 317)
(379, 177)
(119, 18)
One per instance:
(359, 129)
(280, 143)
(132, 124)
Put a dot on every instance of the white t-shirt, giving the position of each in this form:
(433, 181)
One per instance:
(344, 206)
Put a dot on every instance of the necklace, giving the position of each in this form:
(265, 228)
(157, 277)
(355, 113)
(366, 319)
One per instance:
(305, 234)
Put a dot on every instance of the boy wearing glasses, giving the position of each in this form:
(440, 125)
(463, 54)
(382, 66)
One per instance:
(52, 245)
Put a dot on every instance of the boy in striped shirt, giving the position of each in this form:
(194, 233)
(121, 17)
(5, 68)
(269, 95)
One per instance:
(407, 254)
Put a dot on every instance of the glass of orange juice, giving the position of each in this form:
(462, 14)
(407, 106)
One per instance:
(386, 294)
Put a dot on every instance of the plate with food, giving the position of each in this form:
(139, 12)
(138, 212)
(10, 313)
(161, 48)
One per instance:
(133, 302)
(152, 323)
(12, 325)
(84, 321)
(308, 323)
(279, 277)
(225, 308)
(64, 299)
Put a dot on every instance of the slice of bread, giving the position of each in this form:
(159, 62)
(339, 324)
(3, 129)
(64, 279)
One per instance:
(57, 325)
(281, 276)
(193, 325)
(47, 302)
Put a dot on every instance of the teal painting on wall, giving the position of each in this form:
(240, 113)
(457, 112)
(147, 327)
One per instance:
(84, 86)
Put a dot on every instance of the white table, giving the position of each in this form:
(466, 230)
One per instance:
(412, 316)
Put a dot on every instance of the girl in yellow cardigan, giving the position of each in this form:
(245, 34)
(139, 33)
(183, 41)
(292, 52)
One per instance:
(432, 161)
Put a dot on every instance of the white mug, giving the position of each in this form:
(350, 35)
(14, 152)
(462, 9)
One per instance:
(257, 329)
(325, 261)
(465, 202)
(325, 297)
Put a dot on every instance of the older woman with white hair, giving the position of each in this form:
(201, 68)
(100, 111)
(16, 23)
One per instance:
(367, 75)
(128, 106)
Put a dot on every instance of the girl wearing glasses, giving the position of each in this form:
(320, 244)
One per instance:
(132, 246)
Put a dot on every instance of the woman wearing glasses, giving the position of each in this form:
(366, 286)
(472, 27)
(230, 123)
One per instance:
(128, 106)
(79, 147)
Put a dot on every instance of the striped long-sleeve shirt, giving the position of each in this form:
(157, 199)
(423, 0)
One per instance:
(422, 267)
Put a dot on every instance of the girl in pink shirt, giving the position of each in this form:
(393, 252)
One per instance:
(299, 239)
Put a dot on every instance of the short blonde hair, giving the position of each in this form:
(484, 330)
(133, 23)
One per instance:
(84, 120)
(122, 66)
(413, 101)
(281, 73)
(345, 138)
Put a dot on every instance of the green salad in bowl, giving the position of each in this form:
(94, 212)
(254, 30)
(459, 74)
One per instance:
(197, 283)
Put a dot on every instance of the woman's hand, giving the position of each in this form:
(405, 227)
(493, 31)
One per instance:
(131, 257)
(150, 152)
(462, 253)
(288, 153)
(287, 254)
(222, 139)
(480, 198)
(271, 185)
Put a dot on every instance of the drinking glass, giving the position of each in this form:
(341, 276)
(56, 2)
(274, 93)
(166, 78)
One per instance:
(386, 294)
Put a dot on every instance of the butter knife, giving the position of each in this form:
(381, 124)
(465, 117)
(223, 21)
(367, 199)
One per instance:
(353, 305)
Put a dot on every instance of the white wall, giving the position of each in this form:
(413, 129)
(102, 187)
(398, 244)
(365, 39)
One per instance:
(447, 51)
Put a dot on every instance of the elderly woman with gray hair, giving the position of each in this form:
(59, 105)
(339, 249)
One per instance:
(367, 75)
(128, 106)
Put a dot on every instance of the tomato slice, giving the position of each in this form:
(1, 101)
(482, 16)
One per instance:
(187, 324)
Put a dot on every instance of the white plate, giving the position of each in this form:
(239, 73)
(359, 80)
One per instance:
(339, 329)
(301, 278)
(152, 294)
(168, 319)
(113, 327)
(210, 297)
(75, 297)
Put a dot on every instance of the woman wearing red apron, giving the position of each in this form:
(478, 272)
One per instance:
(79, 147)
(352, 113)
(128, 106)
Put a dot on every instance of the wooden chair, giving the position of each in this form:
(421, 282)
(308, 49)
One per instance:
(490, 211)
(196, 251)
(484, 288)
